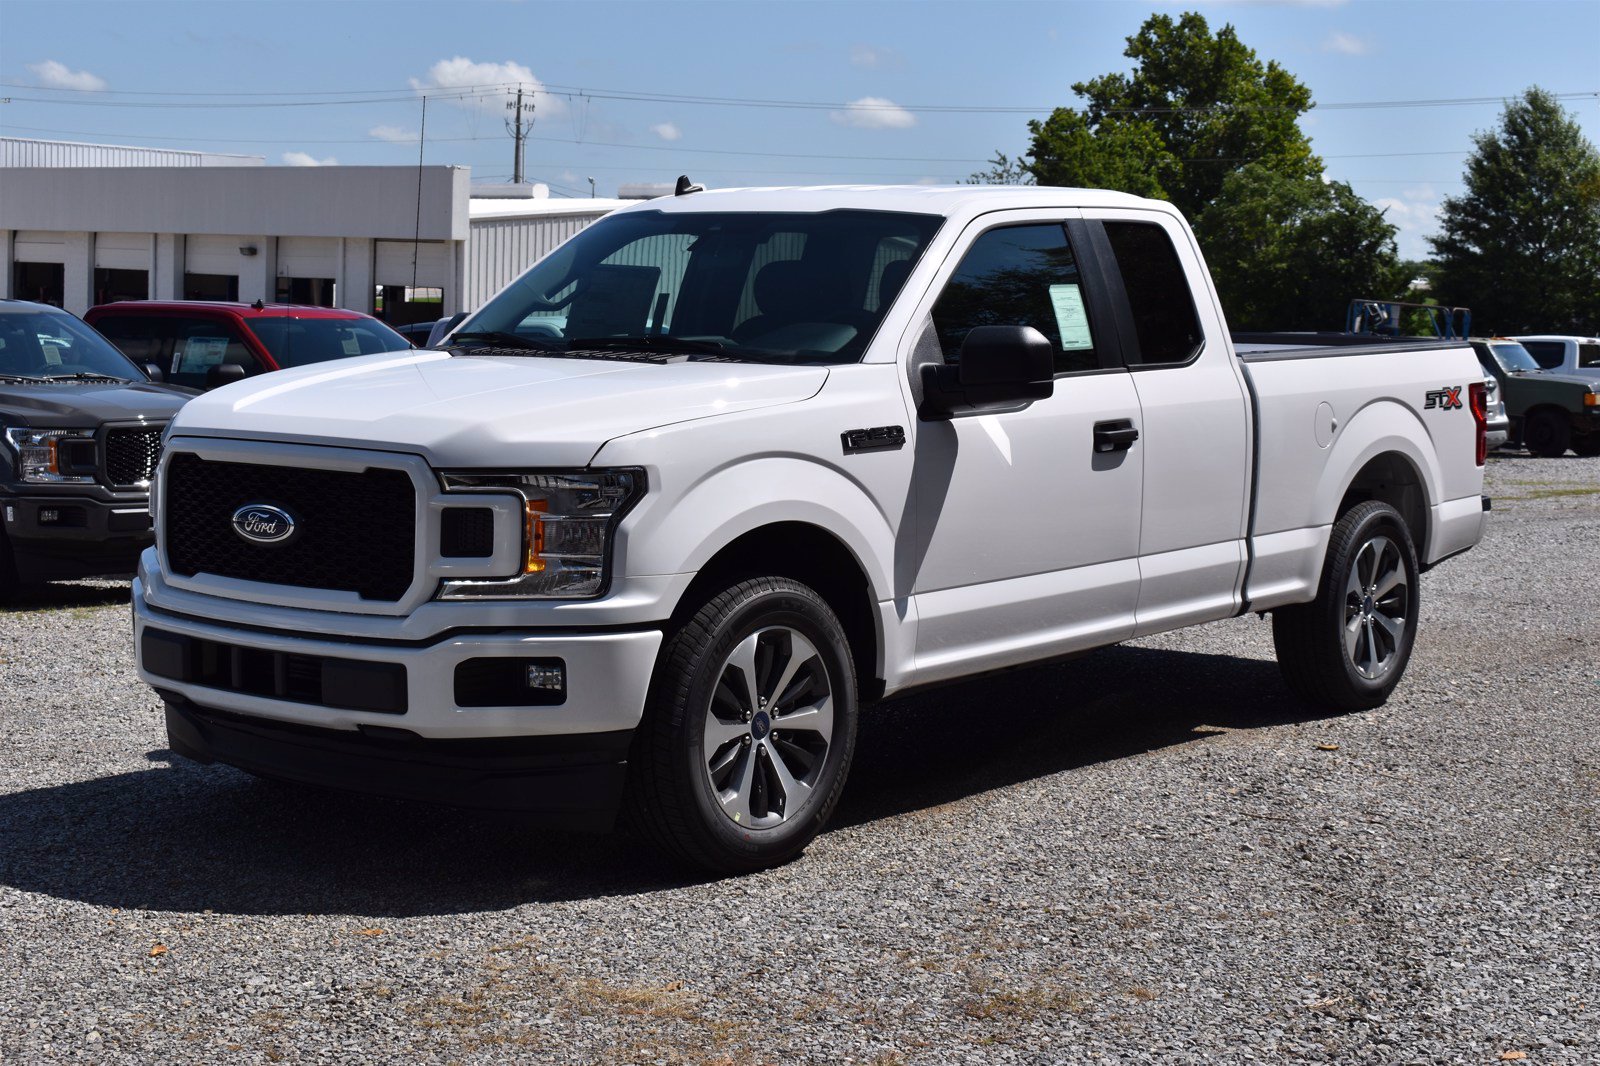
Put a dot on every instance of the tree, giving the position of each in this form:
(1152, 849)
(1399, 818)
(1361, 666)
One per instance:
(1522, 246)
(1197, 107)
(1003, 170)
(1291, 252)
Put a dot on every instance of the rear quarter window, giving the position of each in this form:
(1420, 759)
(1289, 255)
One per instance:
(1163, 311)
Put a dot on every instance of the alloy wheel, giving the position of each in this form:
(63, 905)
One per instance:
(1377, 604)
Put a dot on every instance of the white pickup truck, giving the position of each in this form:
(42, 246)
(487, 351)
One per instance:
(661, 517)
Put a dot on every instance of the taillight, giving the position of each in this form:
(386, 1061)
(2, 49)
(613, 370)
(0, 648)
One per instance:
(1478, 400)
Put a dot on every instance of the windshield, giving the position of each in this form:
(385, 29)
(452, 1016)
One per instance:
(1513, 357)
(786, 288)
(53, 344)
(300, 341)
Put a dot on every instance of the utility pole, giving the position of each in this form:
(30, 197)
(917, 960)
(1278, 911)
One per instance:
(519, 130)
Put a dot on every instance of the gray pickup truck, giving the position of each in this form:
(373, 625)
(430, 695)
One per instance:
(80, 434)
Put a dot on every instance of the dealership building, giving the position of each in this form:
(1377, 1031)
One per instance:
(87, 224)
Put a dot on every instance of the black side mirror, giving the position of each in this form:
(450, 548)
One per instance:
(1000, 366)
(223, 373)
(154, 373)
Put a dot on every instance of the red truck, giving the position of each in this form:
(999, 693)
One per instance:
(203, 345)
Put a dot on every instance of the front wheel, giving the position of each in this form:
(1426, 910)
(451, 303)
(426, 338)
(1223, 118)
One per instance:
(1348, 648)
(750, 729)
(1547, 434)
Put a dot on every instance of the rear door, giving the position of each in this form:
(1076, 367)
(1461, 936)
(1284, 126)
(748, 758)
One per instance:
(1025, 539)
(1196, 432)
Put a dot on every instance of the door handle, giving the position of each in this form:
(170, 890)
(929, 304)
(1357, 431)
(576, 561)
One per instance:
(1117, 435)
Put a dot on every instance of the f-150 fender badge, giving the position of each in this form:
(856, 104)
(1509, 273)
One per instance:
(867, 440)
(1445, 399)
(262, 523)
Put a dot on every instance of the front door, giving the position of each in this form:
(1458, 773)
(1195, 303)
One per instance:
(1026, 537)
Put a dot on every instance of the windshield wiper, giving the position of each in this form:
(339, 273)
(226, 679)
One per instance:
(79, 375)
(499, 339)
(650, 343)
(25, 379)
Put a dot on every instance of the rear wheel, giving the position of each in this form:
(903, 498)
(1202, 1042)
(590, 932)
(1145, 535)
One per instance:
(745, 745)
(1348, 648)
(1547, 434)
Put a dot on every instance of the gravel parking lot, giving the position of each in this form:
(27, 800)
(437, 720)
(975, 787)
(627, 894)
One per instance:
(1147, 854)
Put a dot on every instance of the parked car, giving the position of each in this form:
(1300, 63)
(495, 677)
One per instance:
(203, 345)
(1576, 356)
(416, 333)
(657, 560)
(80, 433)
(1550, 412)
(1499, 422)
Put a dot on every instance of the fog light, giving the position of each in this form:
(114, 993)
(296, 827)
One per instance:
(547, 678)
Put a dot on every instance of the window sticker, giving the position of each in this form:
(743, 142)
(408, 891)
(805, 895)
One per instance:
(1071, 320)
(201, 352)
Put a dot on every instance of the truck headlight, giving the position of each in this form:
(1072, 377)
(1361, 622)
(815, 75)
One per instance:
(568, 519)
(53, 456)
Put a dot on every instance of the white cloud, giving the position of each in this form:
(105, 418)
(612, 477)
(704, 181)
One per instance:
(869, 58)
(459, 72)
(53, 75)
(667, 131)
(393, 134)
(1347, 44)
(874, 113)
(1415, 213)
(306, 159)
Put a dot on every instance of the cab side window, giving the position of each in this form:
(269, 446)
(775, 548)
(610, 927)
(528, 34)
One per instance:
(200, 344)
(1164, 318)
(1019, 276)
(138, 338)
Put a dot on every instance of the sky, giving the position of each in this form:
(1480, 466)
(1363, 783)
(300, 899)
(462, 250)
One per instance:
(860, 92)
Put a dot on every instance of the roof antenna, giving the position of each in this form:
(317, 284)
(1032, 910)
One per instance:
(685, 186)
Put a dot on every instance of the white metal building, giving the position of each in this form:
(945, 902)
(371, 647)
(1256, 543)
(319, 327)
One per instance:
(23, 152)
(407, 243)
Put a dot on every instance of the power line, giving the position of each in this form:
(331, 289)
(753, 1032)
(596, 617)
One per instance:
(364, 96)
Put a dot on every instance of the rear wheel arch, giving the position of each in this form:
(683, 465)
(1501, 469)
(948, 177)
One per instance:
(1392, 478)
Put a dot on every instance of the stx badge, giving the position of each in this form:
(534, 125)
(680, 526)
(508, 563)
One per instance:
(1445, 399)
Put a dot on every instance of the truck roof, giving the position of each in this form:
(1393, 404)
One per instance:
(243, 310)
(948, 200)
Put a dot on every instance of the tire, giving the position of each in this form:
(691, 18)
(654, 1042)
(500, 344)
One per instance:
(1347, 649)
(1547, 434)
(1587, 447)
(9, 583)
(713, 754)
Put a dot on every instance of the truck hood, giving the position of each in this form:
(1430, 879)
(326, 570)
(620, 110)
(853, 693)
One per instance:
(482, 411)
(88, 404)
(1588, 378)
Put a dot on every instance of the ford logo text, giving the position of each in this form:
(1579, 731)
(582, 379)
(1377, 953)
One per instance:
(262, 523)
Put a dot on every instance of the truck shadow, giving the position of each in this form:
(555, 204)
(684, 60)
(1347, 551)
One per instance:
(62, 595)
(183, 837)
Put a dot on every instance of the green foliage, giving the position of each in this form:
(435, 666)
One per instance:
(1003, 170)
(1197, 107)
(1291, 251)
(1522, 246)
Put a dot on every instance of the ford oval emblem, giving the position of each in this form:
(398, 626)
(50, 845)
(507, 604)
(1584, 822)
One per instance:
(262, 523)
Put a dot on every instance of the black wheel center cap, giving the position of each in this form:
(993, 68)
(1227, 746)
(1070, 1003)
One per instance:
(1366, 605)
(760, 725)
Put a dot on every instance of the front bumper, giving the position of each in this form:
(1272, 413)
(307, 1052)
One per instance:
(63, 537)
(240, 695)
(574, 781)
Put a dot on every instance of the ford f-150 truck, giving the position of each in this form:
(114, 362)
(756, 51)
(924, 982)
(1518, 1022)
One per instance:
(80, 432)
(663, 515)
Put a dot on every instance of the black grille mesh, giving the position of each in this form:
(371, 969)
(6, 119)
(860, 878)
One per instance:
(354, 532)
(466, 533)
(132, 454)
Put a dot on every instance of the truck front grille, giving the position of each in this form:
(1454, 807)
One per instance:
(354, 531)
(131, 454)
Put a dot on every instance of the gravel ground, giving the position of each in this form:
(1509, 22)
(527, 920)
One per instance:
(1148, 854)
